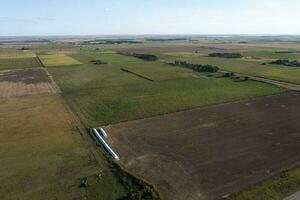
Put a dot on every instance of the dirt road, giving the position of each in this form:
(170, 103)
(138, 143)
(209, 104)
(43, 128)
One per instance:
(290, 86)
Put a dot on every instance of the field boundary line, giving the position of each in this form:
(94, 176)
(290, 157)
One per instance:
(39, 61)
(53, 83)
(136, 74)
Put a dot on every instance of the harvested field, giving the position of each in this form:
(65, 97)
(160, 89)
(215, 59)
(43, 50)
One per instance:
(209, 152)
(25, 82)
(58, 60)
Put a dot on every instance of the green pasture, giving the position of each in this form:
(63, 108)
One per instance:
(44, 156)
(161, 71)
(15, 55)
(104, 94)
(279, 54)
(18, 63)
(253, 67)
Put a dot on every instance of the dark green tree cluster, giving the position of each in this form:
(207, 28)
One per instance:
(225, 55)
(147, 57)
(288, 63)
(197, 67)
(165, 39)
(98, 62)
(108, 42)
(286, 52)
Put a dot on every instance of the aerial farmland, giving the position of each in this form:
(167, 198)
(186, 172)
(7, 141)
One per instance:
(150, 100)
(185, 125)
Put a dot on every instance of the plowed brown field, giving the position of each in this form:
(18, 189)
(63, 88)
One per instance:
(209, 152)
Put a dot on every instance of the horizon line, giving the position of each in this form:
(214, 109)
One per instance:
(154, 34)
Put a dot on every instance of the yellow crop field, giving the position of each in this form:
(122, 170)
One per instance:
(58, 60)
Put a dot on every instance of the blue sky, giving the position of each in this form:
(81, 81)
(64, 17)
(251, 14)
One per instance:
(98, 17)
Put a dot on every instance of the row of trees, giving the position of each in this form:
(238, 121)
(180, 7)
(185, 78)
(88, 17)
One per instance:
(288, 63)
(287, 52)
(226, 55)
(165, 39)
(99, 62)
(97, 42)
(147, 57)
(196, 67)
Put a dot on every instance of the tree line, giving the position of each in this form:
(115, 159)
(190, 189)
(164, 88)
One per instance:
(108, 42)
(226, 55)
(147, 57)
(196, 67)
(288, 63)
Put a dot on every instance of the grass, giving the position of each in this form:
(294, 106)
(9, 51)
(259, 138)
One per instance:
(262, 54)
(55, 158)
(57, 60)
(103, 94)
(15, 55)
(19, 63)
(276, 188)
(45, 155)
(253, 67)
(161, 71)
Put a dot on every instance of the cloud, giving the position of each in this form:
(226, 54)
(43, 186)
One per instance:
(107, 10)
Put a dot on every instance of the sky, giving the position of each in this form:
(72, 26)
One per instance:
(122, 17)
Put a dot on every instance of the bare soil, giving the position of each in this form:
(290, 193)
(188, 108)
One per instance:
(209, 152)
(25, 82)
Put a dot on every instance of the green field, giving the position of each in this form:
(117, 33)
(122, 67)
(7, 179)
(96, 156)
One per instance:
(260, 54)
(103, 94)
(161, 71)
(253, 67)
(48, 157)
(19, 63)
(57, 60)
(15, 55)
(45, 152)
(42, 153)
